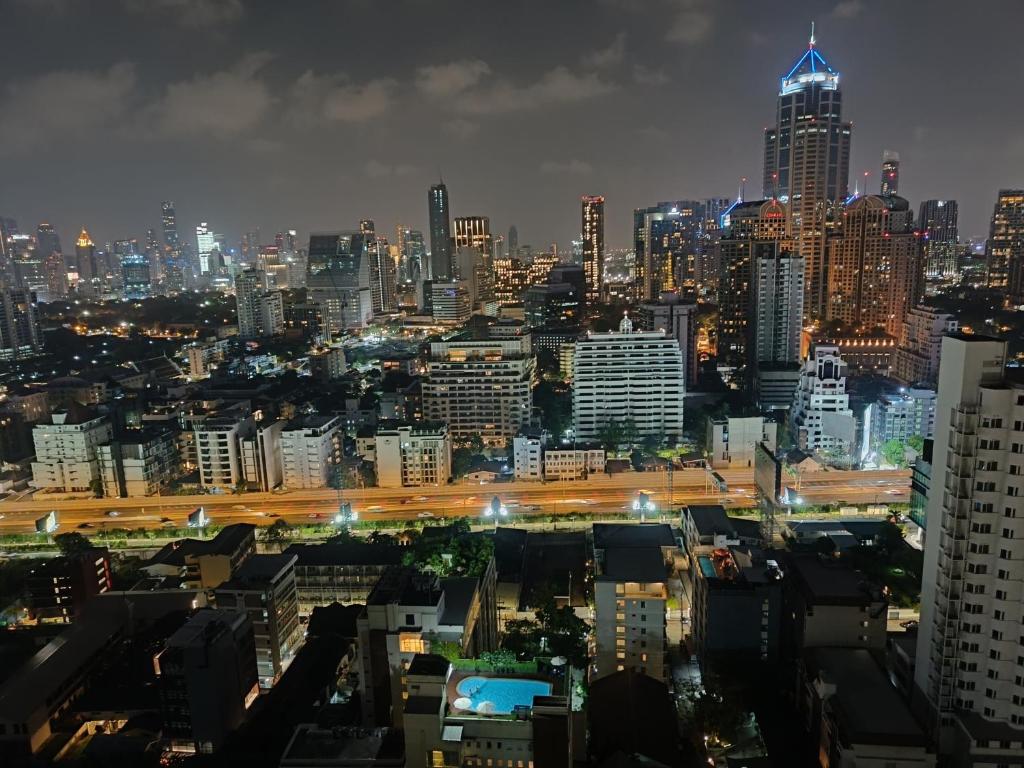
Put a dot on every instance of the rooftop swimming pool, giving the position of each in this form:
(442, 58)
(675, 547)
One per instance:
(498, 695)
(707, 567)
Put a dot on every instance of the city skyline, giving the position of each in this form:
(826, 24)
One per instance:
(243, 114)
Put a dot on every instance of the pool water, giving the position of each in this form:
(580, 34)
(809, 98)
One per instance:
(505, 693)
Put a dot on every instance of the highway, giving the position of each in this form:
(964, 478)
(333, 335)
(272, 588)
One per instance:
(598, 495)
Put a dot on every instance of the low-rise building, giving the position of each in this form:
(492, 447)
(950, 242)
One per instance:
(576, 463)
(631, 566)
(898, 416)
(58, 588)
(732, 440)
(207, 674)
(344, 573)
(204, 563)
(412, 455)
(218, 450)
(138, 462)
(264, 589)
(328, 364)
(854, 714)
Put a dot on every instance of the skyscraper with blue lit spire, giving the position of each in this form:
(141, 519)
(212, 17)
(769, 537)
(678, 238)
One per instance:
(807, 161)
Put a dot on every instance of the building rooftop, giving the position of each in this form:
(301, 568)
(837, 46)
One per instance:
(632, 714)
(405, 586)
(428, 664)
(458, 599)
(608, 535)
(830, 582)
(345, 553)
(641, 564)
(314, 745)
(260, 570)
(202, 624)
(226, 542)
(710, 520)
(868, 707)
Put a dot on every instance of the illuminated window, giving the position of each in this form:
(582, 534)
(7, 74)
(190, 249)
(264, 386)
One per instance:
(411, 643)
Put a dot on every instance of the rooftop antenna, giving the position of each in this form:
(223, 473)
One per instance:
(812, 41)
(743, 189)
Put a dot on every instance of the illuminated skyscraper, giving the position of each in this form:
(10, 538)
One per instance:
(474, 232)
(890, 173)
(874, 265)
(440, 233)
(339, 279)
(383, 282)
(205, 243)
(170, 226)
(593, 245)
(807, 161)
(47, 240)
(19, 330)
(260, 312)
(512, 244)
(1005, 250)
(666, 243)
(937, 221)
(85, 265)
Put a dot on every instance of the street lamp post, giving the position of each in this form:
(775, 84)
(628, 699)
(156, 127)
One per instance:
(643, 505)
(495, 509)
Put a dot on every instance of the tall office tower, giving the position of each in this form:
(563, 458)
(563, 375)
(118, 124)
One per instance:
(666, 241)
(260, 312)
(821, 419)
(778, 304)
(968, 644)
(152, 254)
(875, 272)
(56, 276)
(480, 387)
(135, 275)
(19, 328)
(475, 232)
(676, 319)
(512, 243)
(511, 278)
(807, 162)
(593, 245)
(169, 222)
(413, 256)
(937, 222)
(205, 243)
(1004, 252)
(440, 233)
(86, 266)
(747, 226)
(338, 279)
(628, 377)
(367, 229)
(47, 240)
(890, 173)
(383, 282)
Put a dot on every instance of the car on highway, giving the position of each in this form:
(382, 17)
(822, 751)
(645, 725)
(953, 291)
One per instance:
(419, 498)
(112, 513)
(425, 514)
(167, 523)
(894, 491)
(374, 508)
(85, 525)
(315, 516)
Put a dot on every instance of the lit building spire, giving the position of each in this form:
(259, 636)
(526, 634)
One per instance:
(84, 241)
(812, 41)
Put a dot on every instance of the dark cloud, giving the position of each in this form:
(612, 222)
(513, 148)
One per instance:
(258, 114)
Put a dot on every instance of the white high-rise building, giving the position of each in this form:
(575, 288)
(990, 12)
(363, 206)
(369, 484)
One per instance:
(451, 302)
(218, 450)
(260, 312)
(678, 319)
(916, 360)
(309, 447)
(480, 387)
(413, 454)
(67, 456)
(821, 417)
(628, 377)
(206, 241)
(969, 653)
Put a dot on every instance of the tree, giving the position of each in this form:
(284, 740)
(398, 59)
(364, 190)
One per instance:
(71, 543)
(96, 486)
(447, 648)
(475, 443)
(279, 532)
(916, 442)
(462, 461)
(894, 453)
(629, 432)
(718, 717)
(610, 435)
(336, 477)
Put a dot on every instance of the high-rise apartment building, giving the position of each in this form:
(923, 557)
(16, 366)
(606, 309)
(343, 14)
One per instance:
(310, 446)
(807, 161)
(450, 302)
(749, 228)
(169, 223)
(916, 360)
(593, 245)
(56, 276)
(135, 275)
(968, 645)
(890, 184)
(339, 279)
(264, 589)
(626, 376)
(260, 312)
(383, 280)
(218, 450)
(409, 455)
(677, 319)
(778, 300)
(821, 419)
(666, 241)
(937, 222)
(1004, 252)
(480, 387)
(439, 216)
(20, 336)
(875, 272)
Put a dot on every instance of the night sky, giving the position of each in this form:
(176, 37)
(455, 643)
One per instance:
(315, 114)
